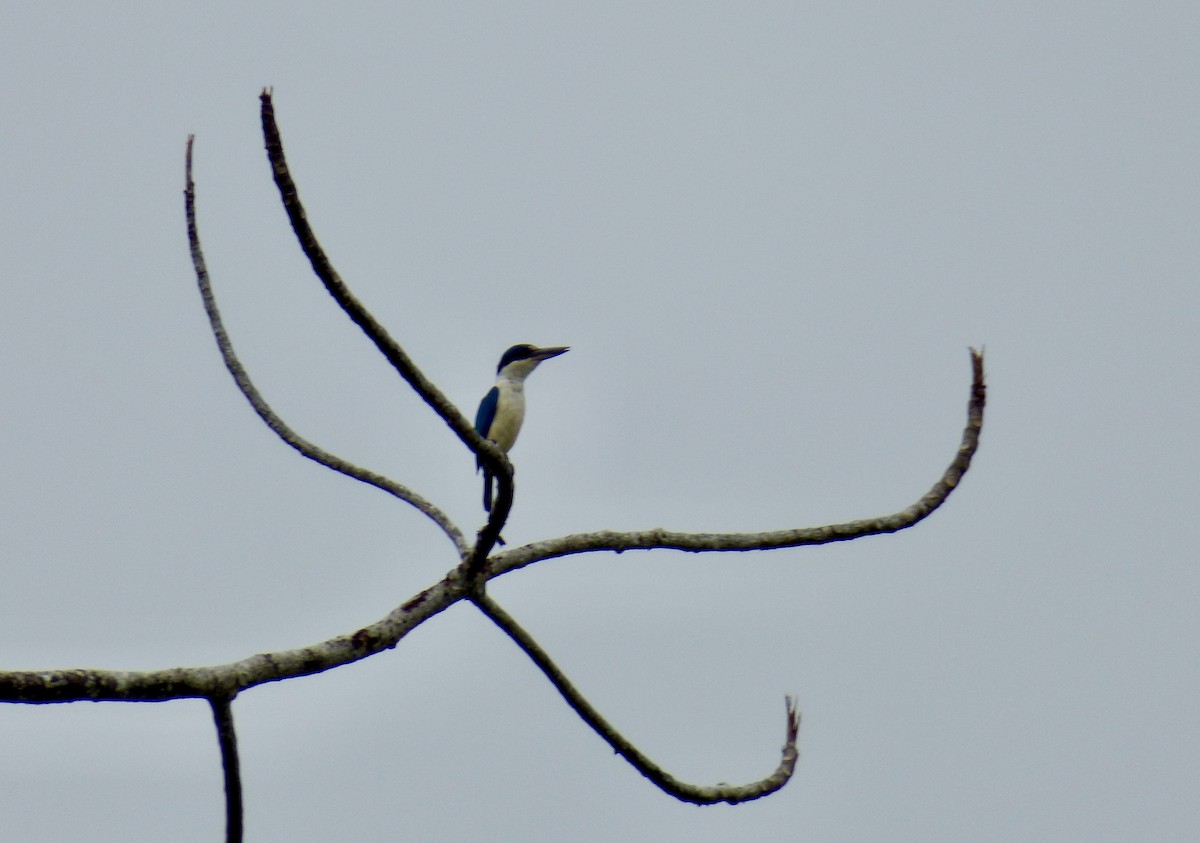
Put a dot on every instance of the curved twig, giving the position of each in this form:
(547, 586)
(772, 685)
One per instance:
(227, 738)
(697, 794)
(618, 542)
(391, 350)
(273, 421)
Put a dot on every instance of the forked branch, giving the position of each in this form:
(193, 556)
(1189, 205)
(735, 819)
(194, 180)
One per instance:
(391, 350)
(220, 684)
(272, 420)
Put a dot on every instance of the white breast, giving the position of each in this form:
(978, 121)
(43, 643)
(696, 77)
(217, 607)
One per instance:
(510, 412)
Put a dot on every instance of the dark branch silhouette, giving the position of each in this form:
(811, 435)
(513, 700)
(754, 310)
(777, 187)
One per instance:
(220, 684)
(488, 452)
(227, 739)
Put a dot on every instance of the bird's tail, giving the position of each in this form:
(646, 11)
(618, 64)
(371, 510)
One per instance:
(487, 491)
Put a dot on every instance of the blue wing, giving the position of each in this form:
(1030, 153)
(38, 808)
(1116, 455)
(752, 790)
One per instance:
(487, 412)
(483, 424)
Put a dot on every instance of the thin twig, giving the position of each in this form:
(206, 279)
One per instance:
(618, 542)
(697, 794)
(273, 421)
(227, 738)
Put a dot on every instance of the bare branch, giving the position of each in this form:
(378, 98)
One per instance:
(273, 421)
(59, 686)
(618, 542)
(391, 350)
(697, 794)
(227, 739)
(221, 684)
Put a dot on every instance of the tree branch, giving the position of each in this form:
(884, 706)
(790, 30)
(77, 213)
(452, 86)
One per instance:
(227, 739)
(697, 794)
(60, 686)
(273, 421)
(618, 542)
(496, 459)
(221, 684)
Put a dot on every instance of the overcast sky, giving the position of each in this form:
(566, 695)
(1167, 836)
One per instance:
(769, 231)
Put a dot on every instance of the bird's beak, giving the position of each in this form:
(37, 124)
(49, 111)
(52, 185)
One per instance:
(547, 353)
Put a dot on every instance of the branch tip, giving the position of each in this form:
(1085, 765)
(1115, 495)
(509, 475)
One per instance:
(793, 721)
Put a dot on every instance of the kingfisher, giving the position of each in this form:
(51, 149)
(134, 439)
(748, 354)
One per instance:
(503, 409)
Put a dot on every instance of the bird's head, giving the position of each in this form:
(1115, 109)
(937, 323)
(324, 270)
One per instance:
(522, 359)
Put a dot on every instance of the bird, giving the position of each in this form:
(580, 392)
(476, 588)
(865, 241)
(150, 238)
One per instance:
(503, 409)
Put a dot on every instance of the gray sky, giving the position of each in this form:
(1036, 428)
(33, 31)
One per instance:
(769, 232)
